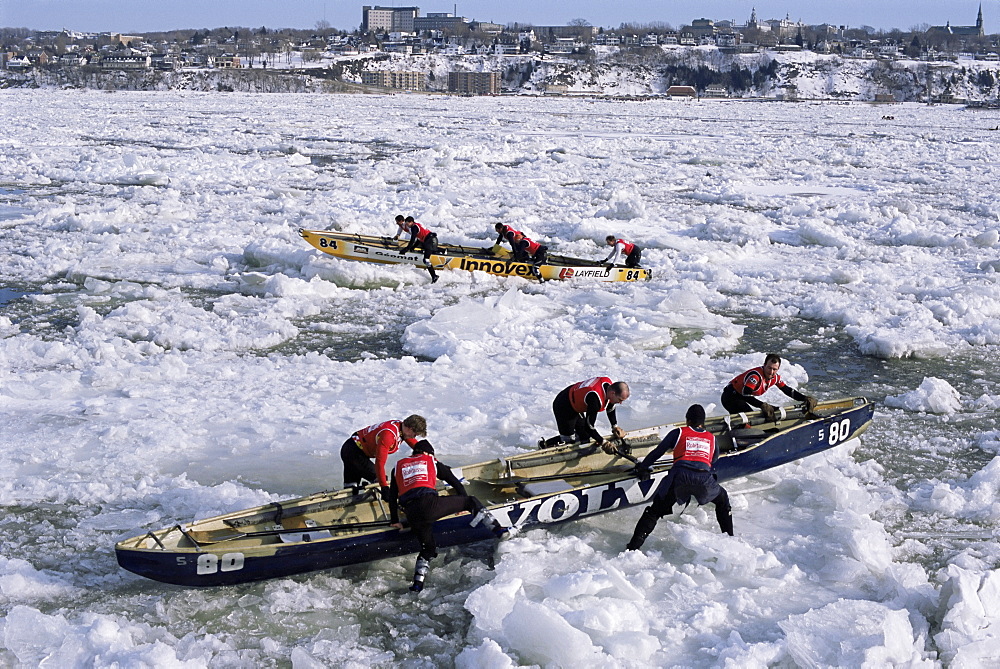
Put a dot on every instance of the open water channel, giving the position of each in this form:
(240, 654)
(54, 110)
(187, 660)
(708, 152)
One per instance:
(909, 447)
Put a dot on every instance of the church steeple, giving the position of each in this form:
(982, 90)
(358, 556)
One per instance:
(979, 20)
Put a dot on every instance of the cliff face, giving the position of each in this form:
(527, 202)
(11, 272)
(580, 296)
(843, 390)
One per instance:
(651, 71)
(800, 75)
(606, 72)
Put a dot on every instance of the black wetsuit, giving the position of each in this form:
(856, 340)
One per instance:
(633, 259)
(357, 465)
(429, 245)
(582, 425)
(423, 506)
(685, 480)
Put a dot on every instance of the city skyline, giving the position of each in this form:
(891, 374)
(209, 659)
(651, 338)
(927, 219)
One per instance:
(131, 16)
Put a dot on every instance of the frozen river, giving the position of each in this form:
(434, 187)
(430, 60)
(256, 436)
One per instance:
(171, 349)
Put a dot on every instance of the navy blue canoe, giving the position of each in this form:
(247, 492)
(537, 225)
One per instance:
(345, 527)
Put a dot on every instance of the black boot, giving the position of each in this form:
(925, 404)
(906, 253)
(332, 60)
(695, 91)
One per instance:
(643, 529)
(419, 573)
(724, 514)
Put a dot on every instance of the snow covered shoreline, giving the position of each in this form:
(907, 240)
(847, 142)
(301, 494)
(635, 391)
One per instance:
(798, 76)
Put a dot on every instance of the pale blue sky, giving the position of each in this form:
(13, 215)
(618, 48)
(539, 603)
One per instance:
(151, 15)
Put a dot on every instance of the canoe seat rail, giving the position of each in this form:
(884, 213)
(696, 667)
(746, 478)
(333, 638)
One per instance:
(178, 528)
(156, 539)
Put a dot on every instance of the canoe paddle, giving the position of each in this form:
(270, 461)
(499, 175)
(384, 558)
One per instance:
(622, 449)
(516, 480)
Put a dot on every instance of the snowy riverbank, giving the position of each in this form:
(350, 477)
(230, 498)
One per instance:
(607, 72)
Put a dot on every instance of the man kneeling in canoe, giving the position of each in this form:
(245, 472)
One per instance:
(576, 408)
(377, 442)
(622, 249)
(692, 475)
(529, 251)
(740, 395)
(414, 487)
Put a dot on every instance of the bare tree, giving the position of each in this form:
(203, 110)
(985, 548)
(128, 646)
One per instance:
(583, 28)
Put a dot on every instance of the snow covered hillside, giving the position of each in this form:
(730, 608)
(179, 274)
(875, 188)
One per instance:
(805, 75)
(607, 71)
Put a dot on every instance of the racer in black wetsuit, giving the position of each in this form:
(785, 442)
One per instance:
(622, 249)
(529, 251)
(425, 239)
(413, 487)
(692, 475)
(377, 442)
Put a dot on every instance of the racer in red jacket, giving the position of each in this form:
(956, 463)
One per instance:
(414, 488)
(623, 249)
(529, 251)
(576, 408)
(740, 395)
(377, 442)
(422, 237)
(505, 233)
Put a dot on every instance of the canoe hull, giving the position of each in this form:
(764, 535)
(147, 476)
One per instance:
(808, 439)
(214, 566)
(386, 251)
(159, 556)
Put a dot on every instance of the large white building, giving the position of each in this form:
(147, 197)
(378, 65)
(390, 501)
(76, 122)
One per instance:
(388, 19)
